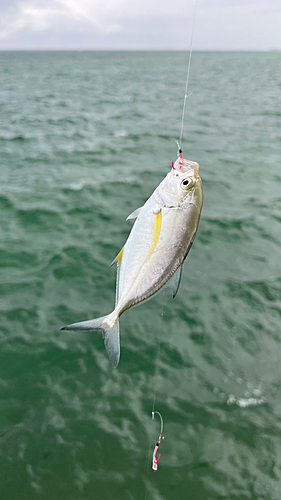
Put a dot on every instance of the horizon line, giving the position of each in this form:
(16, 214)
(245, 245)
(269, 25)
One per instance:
(274, 49)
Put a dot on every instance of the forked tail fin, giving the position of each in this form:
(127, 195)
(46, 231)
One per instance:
(110, 333)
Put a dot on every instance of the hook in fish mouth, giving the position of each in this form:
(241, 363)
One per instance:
(182, 164)
(185, 165)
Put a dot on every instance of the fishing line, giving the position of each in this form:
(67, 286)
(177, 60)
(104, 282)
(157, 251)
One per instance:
(186, 95)
(187, 75)
(156, 371)
(148, 462)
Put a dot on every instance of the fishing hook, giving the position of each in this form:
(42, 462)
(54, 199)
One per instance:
(161, 420)
(155, 460)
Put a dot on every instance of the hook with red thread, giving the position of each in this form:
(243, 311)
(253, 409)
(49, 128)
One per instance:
(155, 460)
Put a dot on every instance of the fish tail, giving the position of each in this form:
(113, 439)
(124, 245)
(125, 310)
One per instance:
(109, 327)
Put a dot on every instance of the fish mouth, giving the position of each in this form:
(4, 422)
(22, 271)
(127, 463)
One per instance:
(186, 166)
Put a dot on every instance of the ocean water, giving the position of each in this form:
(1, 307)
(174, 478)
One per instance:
(85, 137)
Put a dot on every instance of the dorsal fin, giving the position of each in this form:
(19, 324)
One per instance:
(134, 214)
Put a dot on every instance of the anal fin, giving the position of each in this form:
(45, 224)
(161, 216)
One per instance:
(118, 257)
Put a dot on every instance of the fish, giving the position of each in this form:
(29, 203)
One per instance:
(154, 253)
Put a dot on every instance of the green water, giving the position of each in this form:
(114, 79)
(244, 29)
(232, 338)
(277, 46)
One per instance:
(85, 138)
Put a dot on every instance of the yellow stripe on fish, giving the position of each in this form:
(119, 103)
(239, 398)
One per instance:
(157, 230)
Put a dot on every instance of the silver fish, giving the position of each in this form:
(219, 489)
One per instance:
(155, 250)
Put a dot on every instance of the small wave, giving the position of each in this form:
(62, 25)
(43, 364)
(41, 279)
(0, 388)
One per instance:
(11, 137)
(245, 402)
(121, 133)
(19, 260)
(5, 203)
(78, 186)
(256, 293)
(38, 216)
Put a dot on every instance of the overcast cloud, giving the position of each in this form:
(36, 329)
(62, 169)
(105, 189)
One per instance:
(140, 24)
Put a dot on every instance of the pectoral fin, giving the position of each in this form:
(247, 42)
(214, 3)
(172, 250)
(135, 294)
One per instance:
(174, 281)
(135, 214)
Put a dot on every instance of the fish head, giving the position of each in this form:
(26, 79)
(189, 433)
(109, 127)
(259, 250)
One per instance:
(186, 181)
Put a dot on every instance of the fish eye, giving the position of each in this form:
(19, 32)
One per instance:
(186, 182)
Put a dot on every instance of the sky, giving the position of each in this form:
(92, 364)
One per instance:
(140, 24)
